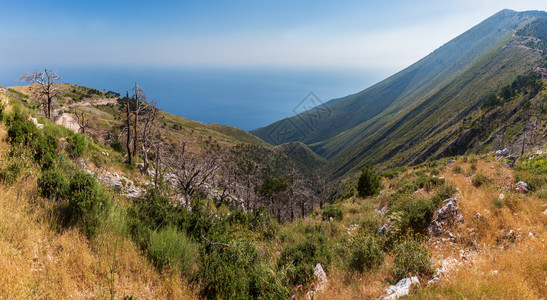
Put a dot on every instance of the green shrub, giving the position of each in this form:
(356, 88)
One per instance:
(331, 211)
(87, 202)
(536, 165)
(394, 172)
(151, 212)
(299, 260)
(169, 247)
(235, 271)
(497, 202)
(11, 171)
(45, 151)
(457, 170)
(370, 224)
(369, 183)
(76, 145)
(542, 195)
(16, 163)
(410, 258)
(261, 222)
(52, 184)
(444, 192)
(350, 193)
(473, 167)
(422, 181)
(365, 253)
(22, 132)
(479, 179)
(415, 215)
(535, 181)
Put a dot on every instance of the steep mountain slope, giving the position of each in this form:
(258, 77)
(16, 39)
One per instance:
(427, 127)
(407, 117)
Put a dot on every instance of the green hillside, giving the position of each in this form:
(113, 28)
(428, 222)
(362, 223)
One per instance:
(413, 114)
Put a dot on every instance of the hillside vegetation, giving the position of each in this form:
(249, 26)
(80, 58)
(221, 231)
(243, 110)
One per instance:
(418, 113)
(64, 234)
(430, 184)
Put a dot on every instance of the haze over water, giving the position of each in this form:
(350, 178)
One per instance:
(247, 98)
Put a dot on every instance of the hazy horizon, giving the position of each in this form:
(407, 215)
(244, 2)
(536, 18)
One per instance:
(350, 45)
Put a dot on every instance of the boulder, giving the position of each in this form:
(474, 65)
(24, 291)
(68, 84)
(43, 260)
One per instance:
(504, 152)
(402, 288)
(321, 277)
(521, 186)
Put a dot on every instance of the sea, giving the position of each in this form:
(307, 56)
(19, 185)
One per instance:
(243, 97)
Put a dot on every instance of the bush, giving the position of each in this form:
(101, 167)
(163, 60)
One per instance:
(76, 145)
(169, 247)
(365, 253)
(434, 172)
(444, 192)
(535, 181)
(52, 184)
(410, 258)
(478, 180)
(300, 259)
(369, 183)
(457, 169)
(420, 182)
(394, 172)
(46, 151)
(235, 271)
(11, 173)
(331, 211)
(87, 202)
(497, 202)
(22, 132)
(17, 161)
(261, 222)
(415, 215)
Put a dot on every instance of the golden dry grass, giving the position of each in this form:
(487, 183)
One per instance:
(490, 266)
(37, 261)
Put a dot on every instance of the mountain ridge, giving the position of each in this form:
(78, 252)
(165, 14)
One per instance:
(349, 121)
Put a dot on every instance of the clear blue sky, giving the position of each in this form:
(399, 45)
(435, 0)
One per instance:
(367, 34)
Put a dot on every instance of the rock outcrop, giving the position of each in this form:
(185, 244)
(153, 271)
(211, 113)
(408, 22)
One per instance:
(445, 217)
(402, 288)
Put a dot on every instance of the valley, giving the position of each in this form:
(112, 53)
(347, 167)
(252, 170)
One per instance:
(429, 184)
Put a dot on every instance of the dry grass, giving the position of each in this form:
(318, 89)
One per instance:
(37, 262)
(490, 266)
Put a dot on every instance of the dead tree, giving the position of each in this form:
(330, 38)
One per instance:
(82, 122)
(193, 171)
(150, 132)
(128, 128)
(319, 184)
(44, 90)
(140, 98)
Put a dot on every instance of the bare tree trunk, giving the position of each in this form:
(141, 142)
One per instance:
(139, 98)
(523, 144)
(128, 126)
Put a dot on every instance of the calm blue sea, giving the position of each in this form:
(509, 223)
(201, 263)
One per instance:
(247, 98)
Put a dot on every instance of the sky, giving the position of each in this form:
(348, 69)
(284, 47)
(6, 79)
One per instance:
(388, 35)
